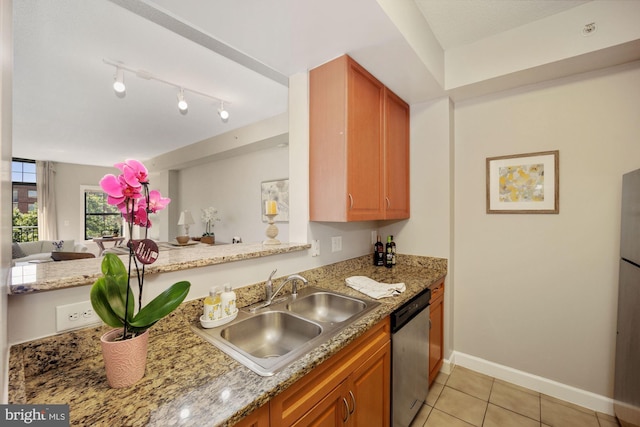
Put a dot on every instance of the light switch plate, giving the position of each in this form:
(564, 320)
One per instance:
(336, 243)
(374, 237)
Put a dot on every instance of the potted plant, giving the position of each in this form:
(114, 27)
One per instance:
(209, 215)
(125, 349)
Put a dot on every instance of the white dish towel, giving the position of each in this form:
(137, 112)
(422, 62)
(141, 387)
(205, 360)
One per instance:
(374, 289)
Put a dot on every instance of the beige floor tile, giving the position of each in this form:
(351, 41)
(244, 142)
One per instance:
(434, 392)
(524, 389)
(516, 400)
(461, 405)
(500, 417)
(565, 403)
(562, 415)
(607, 420)
(470, 382)
(441, 419)
(421, 416)
(441, 378)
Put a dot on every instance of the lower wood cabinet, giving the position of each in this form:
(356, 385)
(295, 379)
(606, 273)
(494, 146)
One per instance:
(436, 333)
(350, 389)
(258, 418)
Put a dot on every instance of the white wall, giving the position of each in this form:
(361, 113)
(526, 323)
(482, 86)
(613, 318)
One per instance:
(233, 187)
(538, 293)
(6, 53)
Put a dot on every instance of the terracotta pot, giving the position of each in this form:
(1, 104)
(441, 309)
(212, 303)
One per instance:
(209, 240)
(125, 361)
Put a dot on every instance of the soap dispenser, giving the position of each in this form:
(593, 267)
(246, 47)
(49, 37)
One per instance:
(228, 298)
(213, 305)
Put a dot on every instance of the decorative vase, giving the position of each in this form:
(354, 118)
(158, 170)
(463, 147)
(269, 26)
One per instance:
(125, 361)
(210, 240)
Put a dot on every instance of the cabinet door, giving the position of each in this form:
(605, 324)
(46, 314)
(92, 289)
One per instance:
(396, 156)
(365, 180)
(331, 411)
(436, 334)
(369, 400)
(258, 418)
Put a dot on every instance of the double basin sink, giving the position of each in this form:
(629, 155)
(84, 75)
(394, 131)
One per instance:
(270, 338)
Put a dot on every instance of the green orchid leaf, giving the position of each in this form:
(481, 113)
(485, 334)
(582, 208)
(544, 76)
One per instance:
(101, 305)
(161, 305)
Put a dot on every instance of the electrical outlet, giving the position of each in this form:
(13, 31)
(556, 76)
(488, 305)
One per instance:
(72, 316)
(336, 243)
(315, 247)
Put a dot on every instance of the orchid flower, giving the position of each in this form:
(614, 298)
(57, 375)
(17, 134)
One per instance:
(135, 173)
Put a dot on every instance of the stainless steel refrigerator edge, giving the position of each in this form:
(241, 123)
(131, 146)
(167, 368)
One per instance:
(627, 374)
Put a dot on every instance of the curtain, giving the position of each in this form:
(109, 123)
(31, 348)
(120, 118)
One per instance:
(45, 186)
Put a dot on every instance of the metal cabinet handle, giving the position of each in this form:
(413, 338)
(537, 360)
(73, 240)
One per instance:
(388, 201)
(344, 420)
(353, 399)
(351, 201)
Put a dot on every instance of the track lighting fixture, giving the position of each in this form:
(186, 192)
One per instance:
(182, 104)
(224, 114)
(119, 87)
(118, 81)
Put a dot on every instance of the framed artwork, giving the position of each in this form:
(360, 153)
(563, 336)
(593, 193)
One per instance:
(523, 183)
(279, 192)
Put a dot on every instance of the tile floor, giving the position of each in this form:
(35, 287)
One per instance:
(467, 398)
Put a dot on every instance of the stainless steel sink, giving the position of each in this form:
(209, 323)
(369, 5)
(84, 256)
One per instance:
(327, 307)
(270, 334)
(269, 339)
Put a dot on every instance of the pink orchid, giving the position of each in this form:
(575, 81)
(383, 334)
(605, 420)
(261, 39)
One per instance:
(135, 173)
(126, 192)
(157, 202)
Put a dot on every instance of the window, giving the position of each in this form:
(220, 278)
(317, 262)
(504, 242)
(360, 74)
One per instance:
(99, 216)
(24, 200)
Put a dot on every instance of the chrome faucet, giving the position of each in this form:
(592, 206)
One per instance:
(294, 290)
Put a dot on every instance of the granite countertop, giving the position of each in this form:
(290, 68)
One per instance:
(38, 277)
(189, 382)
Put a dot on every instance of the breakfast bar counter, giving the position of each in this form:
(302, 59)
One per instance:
(188, 381)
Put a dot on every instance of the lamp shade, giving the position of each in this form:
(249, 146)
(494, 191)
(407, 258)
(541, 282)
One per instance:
(186, 218)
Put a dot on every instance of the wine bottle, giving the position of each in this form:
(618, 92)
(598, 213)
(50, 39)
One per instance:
(378, 254)
(388, 261)
(393, 252)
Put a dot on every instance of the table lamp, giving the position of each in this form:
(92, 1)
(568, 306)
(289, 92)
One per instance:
(186, 219)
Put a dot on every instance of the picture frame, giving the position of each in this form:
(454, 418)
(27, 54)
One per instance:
(524, 183)
(277, 190)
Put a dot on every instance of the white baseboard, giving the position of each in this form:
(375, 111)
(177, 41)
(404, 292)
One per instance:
(546, 386)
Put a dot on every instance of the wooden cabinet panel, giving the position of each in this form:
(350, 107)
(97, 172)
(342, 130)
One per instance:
(358, 146)
(396, 156)
(370, 391)
(361, 375)
(258, 418)
(332, 411)
(436, 333)
(364, 145)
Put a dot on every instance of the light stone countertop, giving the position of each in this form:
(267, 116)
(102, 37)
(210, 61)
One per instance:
(189, 382)
(38, 277)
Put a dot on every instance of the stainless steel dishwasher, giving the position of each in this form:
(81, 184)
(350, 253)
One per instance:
(409, 359)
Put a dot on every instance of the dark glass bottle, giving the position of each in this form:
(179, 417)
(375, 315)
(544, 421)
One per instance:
(378, 254)
(393, 252)
(388, 261)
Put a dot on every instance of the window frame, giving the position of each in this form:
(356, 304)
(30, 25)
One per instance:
(84, 189)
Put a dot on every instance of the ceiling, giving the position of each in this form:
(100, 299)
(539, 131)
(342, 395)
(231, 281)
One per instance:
(64, 108)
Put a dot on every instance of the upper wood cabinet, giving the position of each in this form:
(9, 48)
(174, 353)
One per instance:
(358, 146)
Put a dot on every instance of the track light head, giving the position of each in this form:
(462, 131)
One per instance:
(182, 104)
(118, 82)
(224, 114)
